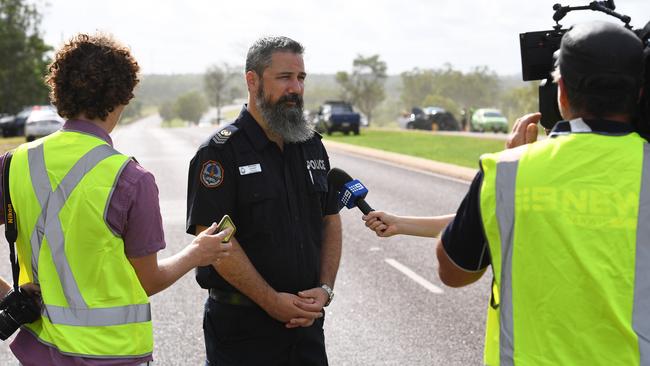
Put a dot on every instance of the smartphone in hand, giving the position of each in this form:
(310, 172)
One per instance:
(225, 223)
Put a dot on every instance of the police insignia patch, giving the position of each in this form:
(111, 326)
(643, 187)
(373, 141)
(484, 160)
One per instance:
(211, 174)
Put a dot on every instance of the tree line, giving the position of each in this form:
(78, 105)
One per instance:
(382, 98)
(451, 89)
(23, 57)
(379, 96)
(219, 86)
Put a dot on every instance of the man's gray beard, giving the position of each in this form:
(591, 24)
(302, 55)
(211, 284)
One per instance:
(288, 122)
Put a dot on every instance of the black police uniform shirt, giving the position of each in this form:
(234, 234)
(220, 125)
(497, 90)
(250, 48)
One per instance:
(276, 199)
(464, 239)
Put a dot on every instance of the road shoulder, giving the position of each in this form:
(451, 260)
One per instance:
(450, 170)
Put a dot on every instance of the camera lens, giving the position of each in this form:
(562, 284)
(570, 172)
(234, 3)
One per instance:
(8, 325)
(16, 309)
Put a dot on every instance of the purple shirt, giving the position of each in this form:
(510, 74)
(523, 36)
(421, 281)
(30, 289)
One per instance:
(134, 214)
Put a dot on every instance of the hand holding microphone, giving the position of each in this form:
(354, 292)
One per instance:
(382, 223)
(353, 193)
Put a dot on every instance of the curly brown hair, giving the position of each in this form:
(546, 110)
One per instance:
(93, 75)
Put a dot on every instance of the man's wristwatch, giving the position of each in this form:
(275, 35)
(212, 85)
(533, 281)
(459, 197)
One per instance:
(330, 293)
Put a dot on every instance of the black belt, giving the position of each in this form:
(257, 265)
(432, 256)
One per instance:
(231, 298)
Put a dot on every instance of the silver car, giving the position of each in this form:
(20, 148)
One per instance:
(42, 122)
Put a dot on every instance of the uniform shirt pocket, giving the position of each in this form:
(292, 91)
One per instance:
(257, 200)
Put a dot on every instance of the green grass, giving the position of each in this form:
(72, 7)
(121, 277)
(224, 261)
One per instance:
(176, 122)
(144, 112)
(458, 150)
(230, 115)
(8, 143)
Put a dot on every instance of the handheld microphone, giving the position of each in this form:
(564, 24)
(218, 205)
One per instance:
(351, 191)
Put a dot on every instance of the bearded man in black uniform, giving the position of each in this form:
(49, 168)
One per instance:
(268, 171)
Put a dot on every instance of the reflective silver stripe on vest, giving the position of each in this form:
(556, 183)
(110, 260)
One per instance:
(505, 199)
(42, 190)
(505, 212)
(49, 225)
(98, 317)
(641, 314)
(52, 203)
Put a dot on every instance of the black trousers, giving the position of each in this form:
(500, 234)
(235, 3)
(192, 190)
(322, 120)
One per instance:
(237, 335)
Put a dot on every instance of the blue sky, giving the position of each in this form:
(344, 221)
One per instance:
(170, 36)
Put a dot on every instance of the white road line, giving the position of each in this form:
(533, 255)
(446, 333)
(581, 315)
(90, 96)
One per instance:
(414, 276)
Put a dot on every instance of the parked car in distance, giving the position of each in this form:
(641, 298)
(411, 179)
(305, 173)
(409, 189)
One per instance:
(7, 125)
(486, 119)
(337, 116)
(433, 110)
(42, 122)
(430, 119)
(15, 125)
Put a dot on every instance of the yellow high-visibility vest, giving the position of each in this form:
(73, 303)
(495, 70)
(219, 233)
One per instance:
(568, 225)
(93, 303)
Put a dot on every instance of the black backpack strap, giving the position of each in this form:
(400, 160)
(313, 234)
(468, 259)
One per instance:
(11, 230)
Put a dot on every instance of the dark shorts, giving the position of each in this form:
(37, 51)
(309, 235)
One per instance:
(246, 336)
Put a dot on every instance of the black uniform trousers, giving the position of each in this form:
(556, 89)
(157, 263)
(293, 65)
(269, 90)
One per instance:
(240, 335)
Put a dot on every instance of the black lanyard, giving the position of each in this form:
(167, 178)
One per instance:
(11, 230)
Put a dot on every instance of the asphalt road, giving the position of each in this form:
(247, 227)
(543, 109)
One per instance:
(390, 308)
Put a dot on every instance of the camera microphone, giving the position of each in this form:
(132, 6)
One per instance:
(351, 191)
(560, 12)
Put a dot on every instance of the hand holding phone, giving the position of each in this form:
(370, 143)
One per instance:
(226, 222)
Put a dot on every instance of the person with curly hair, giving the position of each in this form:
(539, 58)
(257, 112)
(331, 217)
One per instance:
(89, 222)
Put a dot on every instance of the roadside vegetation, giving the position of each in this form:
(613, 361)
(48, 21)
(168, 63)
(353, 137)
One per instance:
(364, 87)
(188, 107)
(135, 110)
(174, 122)
(458, 150)
(9, 143)
(378, 95)
(25, 56)
(381, 97)
(231, 115)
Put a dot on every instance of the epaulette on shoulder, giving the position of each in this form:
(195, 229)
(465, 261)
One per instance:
(224, 134)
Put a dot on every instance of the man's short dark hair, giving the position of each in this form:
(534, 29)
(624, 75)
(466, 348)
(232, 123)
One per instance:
(91, 74)
(259, 54)
(603, 105)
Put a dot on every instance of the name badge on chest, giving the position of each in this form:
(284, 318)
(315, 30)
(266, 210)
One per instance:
(250, 169)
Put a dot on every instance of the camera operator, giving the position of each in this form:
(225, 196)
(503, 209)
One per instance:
(564, 222)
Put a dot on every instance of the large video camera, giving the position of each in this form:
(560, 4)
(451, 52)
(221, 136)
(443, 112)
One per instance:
(537, 62)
